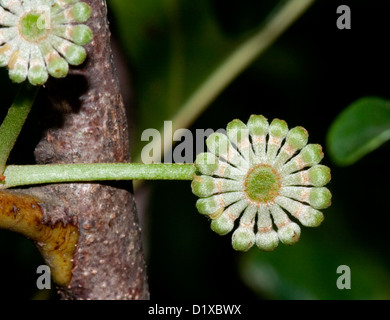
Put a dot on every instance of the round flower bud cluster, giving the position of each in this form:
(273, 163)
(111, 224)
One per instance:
(257, 174)
(39, 38)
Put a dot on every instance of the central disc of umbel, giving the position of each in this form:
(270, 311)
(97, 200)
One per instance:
(262, 184)
(32, 26)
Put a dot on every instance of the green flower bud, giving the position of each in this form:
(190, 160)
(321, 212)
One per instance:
(222, 225)
(265, 171)
(205, 186)
(79, 34)
(214, 203)
(37, 73)
(225, 223)
(320, 198)
(209, 164)
(81, 12)
(278, 130)
(289, 234)
(243, 239)
(319, 175)
(220, 145)
(36, 35)
(308, 216)
(309, 156)
(258, 129)
(57, 66)
(312, 154)
(296, 139)
(267, 240)
(258, 125)
(237, 131)
(206, 163)
(316, 176)
(238, 134)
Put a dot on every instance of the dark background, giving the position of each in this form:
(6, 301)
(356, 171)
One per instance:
(307, 78)
(311, 74)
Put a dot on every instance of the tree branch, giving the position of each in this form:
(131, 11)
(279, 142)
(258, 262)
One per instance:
(85, 122)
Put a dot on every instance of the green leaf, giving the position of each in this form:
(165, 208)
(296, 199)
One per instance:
(361, 128)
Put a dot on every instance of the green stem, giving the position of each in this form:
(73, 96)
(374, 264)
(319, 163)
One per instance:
(56, 173)
(14, 121)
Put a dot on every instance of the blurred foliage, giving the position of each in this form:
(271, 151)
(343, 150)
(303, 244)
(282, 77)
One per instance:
(307, 78)
(168, 41)
(361, 128)
(190, 41)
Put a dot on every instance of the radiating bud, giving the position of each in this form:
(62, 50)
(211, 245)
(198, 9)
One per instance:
(206, 163)
(205, 186)
(289, 234)
(267, 240)
(225, 223)
(214, 203)
(261, 172)
(243, 239)
(42, 37)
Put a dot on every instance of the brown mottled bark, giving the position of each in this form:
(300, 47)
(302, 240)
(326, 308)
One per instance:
(86, 122)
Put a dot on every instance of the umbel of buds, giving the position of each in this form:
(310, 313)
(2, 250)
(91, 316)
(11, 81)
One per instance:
(257, 174)
(39, 38)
